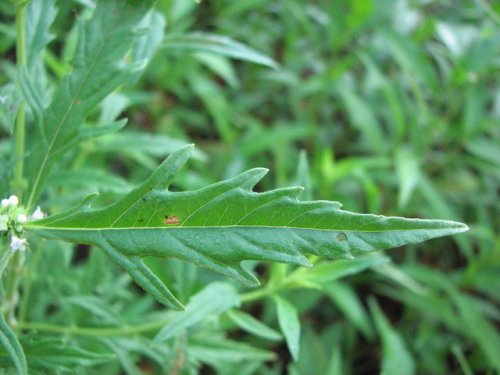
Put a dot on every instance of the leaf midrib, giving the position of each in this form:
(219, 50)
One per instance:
(41, 227)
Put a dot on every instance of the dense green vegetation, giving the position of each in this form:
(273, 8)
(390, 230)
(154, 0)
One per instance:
(389, 107)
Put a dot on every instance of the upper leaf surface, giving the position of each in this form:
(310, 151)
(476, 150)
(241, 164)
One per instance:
(98, 69)
(225, 223)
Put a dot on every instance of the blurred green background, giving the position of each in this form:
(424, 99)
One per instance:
(396, 107)
(390, 107)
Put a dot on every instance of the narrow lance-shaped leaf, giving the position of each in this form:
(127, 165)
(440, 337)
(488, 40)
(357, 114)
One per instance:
(396, 358)
(289, 322)
(215, 299)
(12, 346)
(248, 323)
(39, 17)
(98, 69)
(220, 226)
(217, 44)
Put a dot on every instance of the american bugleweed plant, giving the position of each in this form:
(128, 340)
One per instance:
(217, 227)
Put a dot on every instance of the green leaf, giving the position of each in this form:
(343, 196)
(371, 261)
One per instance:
(39, 16)
(303, 177)
(290, 325)
(248, 323)
(213, 300)
(217, 351)
(133, 143)
(145, 47)
(56, 354)
(326, 272)
(396, 359)
(220, 226)
(13, 347)
(96, 307)
(98, 69)
(222, 45)
(348, 302)
(408, 172)
(127, 351)
(10, 99)
(483, 331)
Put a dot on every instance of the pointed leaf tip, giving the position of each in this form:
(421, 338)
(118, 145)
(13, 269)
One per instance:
(461, 227)
(454, 227)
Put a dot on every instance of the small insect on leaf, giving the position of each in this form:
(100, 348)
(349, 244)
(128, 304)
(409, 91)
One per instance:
(171, 220)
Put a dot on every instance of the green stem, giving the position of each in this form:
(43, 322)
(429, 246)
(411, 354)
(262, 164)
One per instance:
(17, 261)
(11, 294)
(30, 275)
(257, 294)
(95, 331)
(21, 114)
(293, 280)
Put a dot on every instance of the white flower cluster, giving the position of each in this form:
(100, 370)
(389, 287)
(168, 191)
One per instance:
(12, 218)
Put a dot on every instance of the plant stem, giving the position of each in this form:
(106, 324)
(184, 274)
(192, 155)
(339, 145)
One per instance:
(30, 275)
(17, 260)
(96, 331)
(294, 280)
(21, 114)
(11, 295)
(257, 294)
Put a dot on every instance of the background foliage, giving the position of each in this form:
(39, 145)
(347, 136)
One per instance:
(389, 107)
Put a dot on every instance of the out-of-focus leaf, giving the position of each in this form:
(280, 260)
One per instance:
(482, 330)
(365, 120)
(223, 45)
(410, 57)
(91, 180)
(213, 300)
(39, 16)
(128, 349)
(290, 325)
(303, 176)
(326, 272)
(10, 98)
(216, 104)
(485, 149)
(51, 355)
(259, 139)
(396, 274)
(132, 143)
(215, 351)
(97, 131)
(396, 359)
(348, 302)
(219, 65)
(12, 347)
(112, 106)
(96, 72)
(98, 308)
(145, 47)
(408, 172)
(248, 323)
(335, 364)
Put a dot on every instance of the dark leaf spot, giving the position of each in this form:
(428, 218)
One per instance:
(341, 237)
